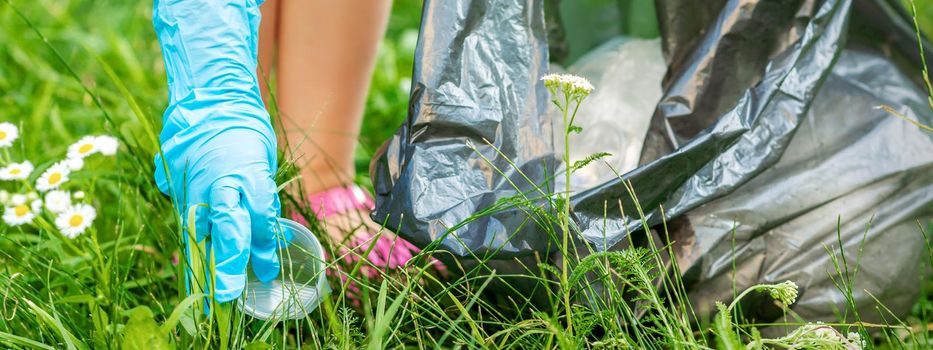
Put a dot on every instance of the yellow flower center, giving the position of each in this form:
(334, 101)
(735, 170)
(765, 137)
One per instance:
(15, 171)
(75, 220)
(21, 210)
(85, 148)
(55, 178)
(2, 135)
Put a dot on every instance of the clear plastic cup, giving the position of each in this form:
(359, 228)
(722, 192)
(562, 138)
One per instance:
(300, 286)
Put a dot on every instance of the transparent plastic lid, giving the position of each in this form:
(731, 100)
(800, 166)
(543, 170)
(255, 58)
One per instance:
(300, 285)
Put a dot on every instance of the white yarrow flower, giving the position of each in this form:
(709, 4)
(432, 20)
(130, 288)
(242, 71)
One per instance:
(575, 86)
(18, 199)
(18, 215)
(8, 134)
(552, 80)
(79, 195)
(107, 145)
(856, 340)
(53, 177)
(75, 220)
(16, 171)
(74, 164)
(57, 201)
(785, 292)
(84, 147)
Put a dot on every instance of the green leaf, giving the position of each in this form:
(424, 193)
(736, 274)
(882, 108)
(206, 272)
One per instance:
(83, 298)
(179, 311)
(23, 341)
(726, 338)
(384, 317)
(586, 161)
(142, 332)
(54, 323)
(187, 323)
(574, 129)
(258, 345)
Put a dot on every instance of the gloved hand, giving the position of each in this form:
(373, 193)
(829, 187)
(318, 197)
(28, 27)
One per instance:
(217, 140)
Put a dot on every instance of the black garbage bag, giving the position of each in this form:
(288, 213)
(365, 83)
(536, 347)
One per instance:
(765, 149)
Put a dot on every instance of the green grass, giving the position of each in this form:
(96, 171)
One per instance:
(116, 286)
(924, 13)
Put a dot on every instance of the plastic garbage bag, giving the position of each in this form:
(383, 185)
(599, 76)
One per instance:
(847, 161)
(475, 80)
(757, 129)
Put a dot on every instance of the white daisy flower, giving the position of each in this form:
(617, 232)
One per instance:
(74, 164)
(107, 145)
(4, 197)
(75, 220)
(36, 205)
(53, 177)
(57, 201)
(84, 147)
(18, 215)
(32, 196)
(8, 134)
(18, 199)
(79, 195)
(16, 171)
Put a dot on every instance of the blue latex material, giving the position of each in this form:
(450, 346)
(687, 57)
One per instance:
(217, 140)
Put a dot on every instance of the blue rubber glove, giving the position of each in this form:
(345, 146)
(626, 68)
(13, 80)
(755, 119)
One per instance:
(217, 140)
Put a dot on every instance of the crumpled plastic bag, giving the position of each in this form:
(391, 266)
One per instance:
(757, 128)
(849, 163)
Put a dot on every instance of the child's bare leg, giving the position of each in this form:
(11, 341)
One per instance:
(326, 53)
(268, 44)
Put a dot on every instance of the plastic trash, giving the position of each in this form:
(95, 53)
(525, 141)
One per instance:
(756, 128)
(848, 162)
(301, 285)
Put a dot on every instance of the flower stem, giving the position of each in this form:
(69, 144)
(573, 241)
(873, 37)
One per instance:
(565, 215)
(749, 290)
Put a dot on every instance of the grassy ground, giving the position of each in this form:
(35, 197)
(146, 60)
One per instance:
(115, 286)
